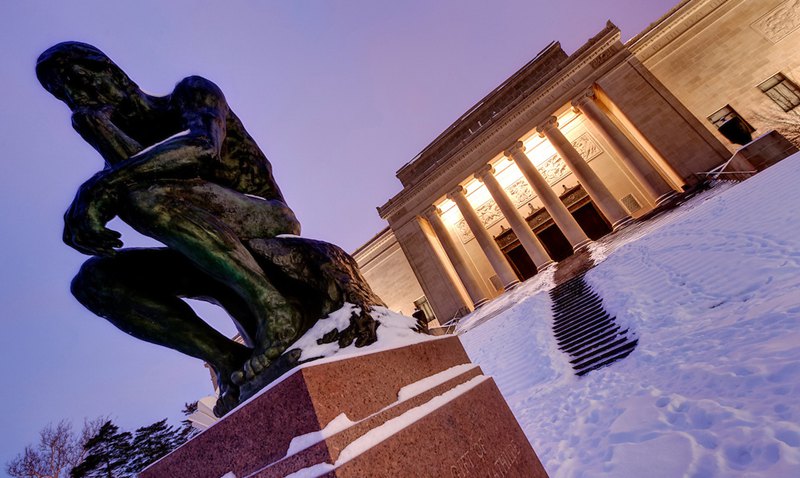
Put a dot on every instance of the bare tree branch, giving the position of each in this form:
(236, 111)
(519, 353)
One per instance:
(59, 450)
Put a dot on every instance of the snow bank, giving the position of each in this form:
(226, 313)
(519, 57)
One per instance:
(713, 292)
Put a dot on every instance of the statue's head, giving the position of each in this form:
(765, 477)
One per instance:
(81, 75)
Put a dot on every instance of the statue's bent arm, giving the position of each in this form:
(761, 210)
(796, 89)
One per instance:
(191, 155)
(188, 156)
(96, 128)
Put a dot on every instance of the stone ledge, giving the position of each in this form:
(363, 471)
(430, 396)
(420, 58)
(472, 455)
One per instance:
(304, 401)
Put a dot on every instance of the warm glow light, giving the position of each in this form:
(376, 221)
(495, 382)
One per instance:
(538, 149)
(566, 118)
(450, 213)
(540, 153)
(508, 175)
(478, 194)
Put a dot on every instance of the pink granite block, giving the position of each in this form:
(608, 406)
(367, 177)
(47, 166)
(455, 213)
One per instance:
(473, 431)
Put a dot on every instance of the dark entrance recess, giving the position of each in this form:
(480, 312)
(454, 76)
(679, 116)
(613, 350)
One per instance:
(583, 210)
(591, 221)
(521, 262)
(555, 242)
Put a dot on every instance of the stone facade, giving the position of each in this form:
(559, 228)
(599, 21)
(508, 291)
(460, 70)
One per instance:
(386, 269)
(575, 145)
(714, 53)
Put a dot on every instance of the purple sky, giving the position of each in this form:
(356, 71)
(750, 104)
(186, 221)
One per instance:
(339, 94)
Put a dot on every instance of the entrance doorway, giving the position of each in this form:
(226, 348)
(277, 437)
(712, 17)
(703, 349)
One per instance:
(593, 223)
(521, 262)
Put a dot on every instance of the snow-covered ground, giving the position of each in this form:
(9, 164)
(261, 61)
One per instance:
(712, 290)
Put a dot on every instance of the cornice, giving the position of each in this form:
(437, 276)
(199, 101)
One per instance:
(480, 116)
(671, 26)
(379, 242)
(596, 52)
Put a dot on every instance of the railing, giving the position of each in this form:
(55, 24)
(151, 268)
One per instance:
(719, 170)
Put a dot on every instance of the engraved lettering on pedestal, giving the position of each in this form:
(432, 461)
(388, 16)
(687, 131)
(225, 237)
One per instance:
(478, 458)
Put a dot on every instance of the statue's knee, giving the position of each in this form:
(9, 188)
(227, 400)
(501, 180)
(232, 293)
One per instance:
(293, 225)
(89, 280)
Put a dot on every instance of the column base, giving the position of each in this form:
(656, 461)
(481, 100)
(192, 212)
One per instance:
(580, 246)
(545, 265)
(510, 286)
(665, 197)
(480, 303)
(621, 223)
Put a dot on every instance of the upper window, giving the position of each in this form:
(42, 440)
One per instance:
(782, 91)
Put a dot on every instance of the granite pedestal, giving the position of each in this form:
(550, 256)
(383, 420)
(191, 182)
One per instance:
(418, 410)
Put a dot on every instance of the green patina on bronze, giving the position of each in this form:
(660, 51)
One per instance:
(182, 169)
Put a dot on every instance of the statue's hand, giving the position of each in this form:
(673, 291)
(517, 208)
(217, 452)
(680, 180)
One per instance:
(86, 116)
(85, 220)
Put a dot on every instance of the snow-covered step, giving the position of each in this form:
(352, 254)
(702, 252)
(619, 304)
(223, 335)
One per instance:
(584, 330)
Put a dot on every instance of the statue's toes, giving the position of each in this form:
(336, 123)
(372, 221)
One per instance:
(249, 372)
(257, 364)
(225, 403)
(238, 377)
(275, 350)
(263, 361)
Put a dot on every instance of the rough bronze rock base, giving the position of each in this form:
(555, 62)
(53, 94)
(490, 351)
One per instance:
(457, 426)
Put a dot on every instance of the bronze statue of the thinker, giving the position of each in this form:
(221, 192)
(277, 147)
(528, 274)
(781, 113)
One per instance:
(182, 169)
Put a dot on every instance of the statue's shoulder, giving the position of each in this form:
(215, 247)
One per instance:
(194, 85)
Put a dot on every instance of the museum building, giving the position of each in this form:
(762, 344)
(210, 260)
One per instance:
(574, 146)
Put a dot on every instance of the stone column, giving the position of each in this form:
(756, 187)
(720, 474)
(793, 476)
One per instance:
(598, 191)
(518, 224)
(496, 258)
(557, 210)
(464, 268)
(648, 176)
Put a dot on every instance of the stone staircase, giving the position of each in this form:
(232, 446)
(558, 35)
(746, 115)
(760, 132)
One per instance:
(584, 330)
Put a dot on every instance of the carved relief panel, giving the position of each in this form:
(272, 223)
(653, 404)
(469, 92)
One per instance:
(553, 169)
(780, 21)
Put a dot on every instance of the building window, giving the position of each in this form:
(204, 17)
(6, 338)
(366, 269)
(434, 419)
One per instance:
(782, 91)
(422, 306)
(732, 126)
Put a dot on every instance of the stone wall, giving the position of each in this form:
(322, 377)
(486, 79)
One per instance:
(713, 53)
(386, 269)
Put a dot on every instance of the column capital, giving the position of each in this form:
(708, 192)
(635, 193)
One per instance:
(547, 125)
(483, 171)
(457, 191)
(432, 210)
(585, 97)
(516, 148)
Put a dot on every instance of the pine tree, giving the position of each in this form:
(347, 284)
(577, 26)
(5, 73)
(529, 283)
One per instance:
(151, 443)
(186, 431)
(108, 453)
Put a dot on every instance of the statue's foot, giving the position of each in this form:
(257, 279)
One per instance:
(228, 395)
(258, 362)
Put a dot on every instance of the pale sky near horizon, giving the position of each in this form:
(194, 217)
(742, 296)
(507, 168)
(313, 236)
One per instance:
(338, 94)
